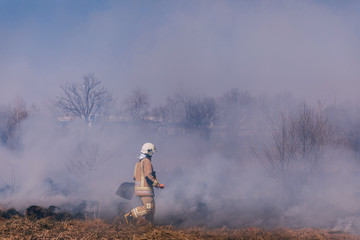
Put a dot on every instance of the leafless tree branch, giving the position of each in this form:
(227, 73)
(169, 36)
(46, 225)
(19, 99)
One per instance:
(83, 100)
(299, 143)
(137, 104)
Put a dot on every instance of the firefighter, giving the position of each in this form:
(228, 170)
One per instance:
(145, 181)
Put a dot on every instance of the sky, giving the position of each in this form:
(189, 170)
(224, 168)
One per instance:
(309, 49)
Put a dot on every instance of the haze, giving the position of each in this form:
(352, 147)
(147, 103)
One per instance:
(281, 56)
(307, 48)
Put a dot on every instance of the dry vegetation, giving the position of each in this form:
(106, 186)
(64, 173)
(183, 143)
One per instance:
(19, 227)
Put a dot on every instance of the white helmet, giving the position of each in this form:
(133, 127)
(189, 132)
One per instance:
(148, 149)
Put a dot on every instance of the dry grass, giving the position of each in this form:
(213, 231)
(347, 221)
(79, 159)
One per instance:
(48, 228)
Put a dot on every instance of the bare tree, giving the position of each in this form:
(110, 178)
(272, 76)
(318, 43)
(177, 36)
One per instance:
(299, 144)
(182, 113)
(173, 111)
(84, 100)
(200, 114)
(11, 116)
(347, 120)
(160, 113)
(137, 104)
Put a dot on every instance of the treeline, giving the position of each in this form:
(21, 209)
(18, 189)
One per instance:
(293, 140)
(11, 117)
(297, 132)
(90, 101)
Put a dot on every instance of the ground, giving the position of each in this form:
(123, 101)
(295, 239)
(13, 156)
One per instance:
(19, 227)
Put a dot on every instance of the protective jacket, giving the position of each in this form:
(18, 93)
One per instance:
(145, 178)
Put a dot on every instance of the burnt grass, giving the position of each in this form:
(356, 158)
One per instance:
(41, 223)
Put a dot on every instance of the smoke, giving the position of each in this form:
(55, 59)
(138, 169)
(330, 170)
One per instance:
(221, 179)
(306, 48)
(309, 50)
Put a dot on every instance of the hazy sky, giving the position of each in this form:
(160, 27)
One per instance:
(307, 48)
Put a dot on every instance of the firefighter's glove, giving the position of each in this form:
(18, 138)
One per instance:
(162, 186)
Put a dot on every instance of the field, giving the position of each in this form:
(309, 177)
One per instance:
(19, 227)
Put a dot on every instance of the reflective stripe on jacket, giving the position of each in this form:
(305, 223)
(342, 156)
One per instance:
(145, 178)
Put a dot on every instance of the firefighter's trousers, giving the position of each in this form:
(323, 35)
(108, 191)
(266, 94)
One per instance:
(147, 210)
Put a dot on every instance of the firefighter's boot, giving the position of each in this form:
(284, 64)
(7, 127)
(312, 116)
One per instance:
(128, 217)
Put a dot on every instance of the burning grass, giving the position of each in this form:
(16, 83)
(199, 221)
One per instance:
(19, 227)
